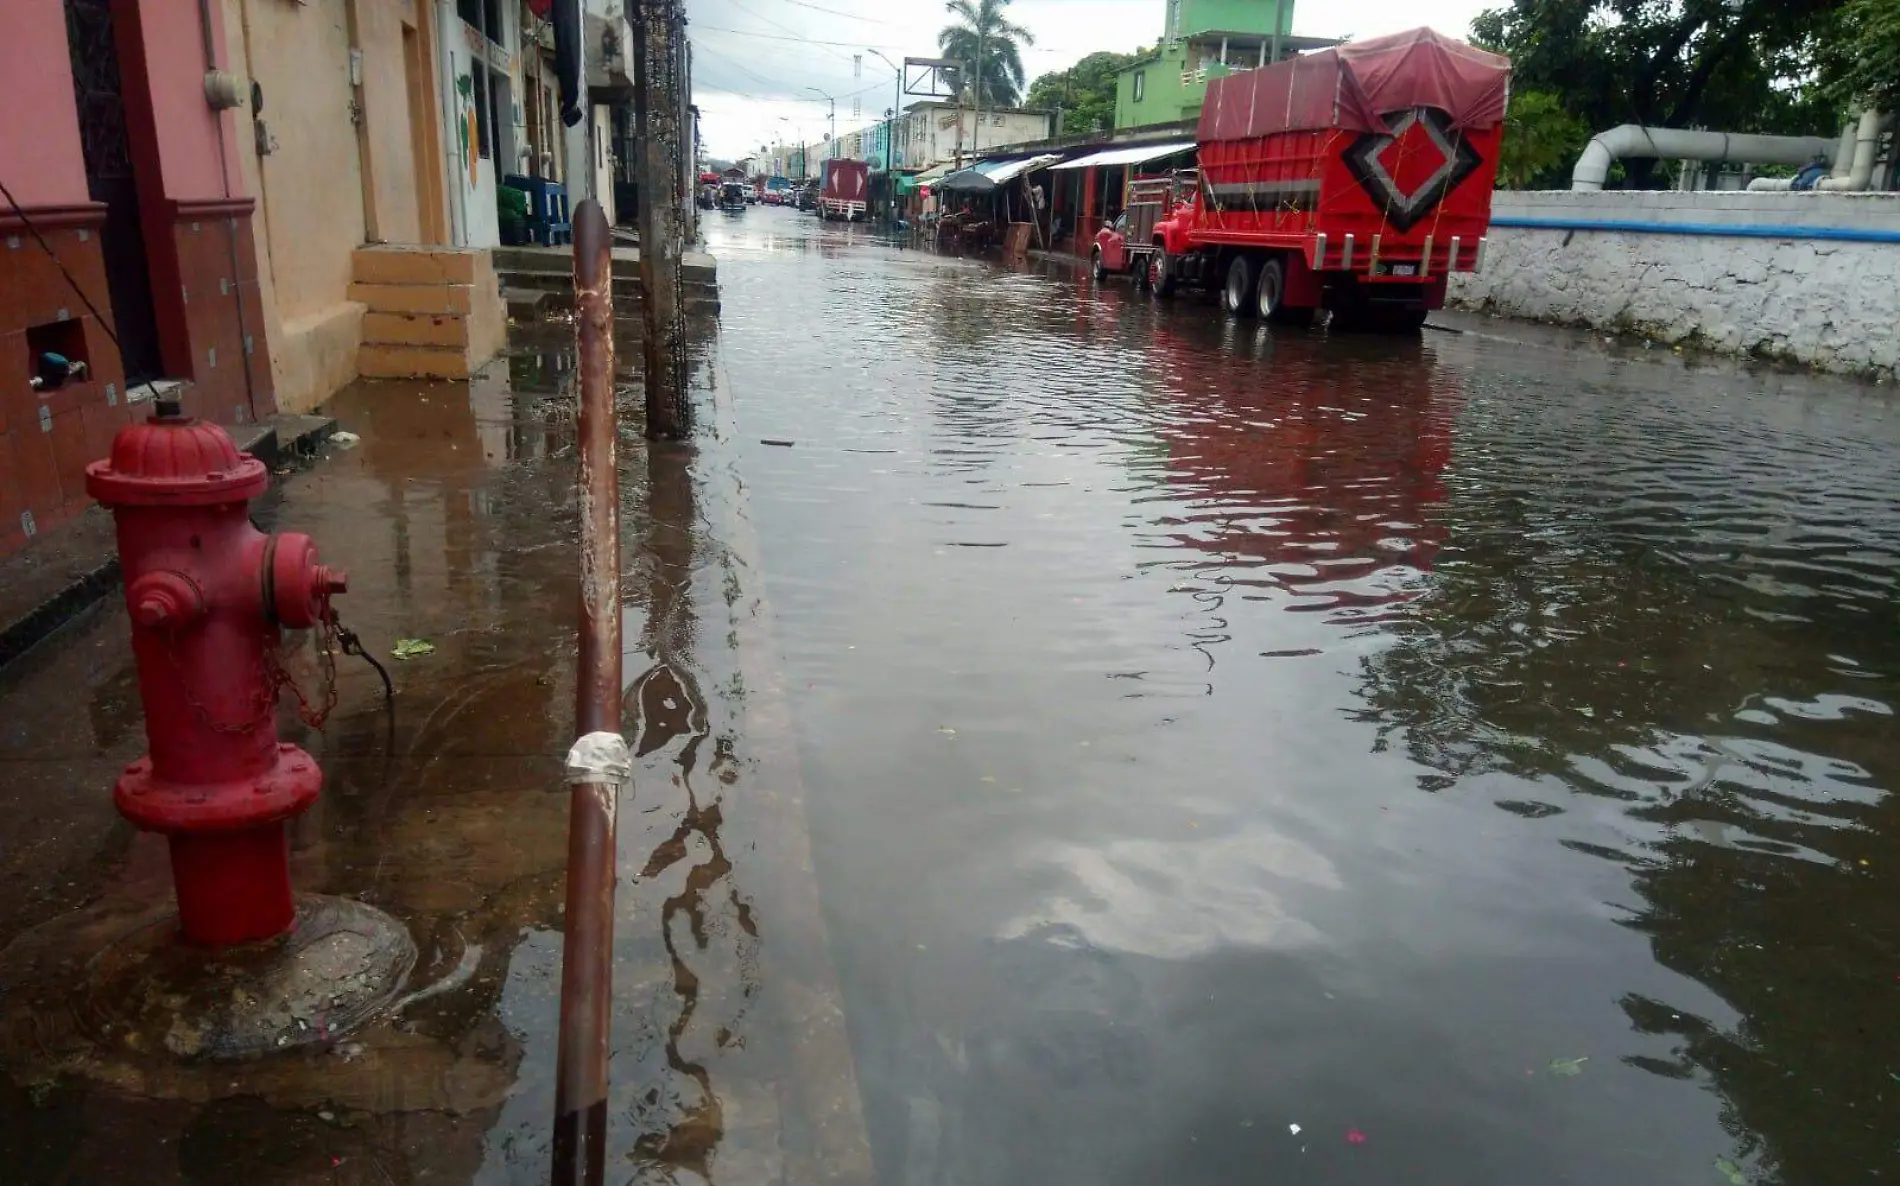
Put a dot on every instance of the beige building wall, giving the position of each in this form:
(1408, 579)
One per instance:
(333, 165)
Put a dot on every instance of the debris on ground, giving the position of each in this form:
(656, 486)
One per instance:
(412, 648)
(1568, 1067)
(775, 441)
(1355, 1137)
(1731, 1171)
(345, 440)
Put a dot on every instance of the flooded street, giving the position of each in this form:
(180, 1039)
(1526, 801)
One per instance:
(1475, 753)
(1080, 741)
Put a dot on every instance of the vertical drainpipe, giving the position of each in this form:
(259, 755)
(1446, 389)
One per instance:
(451, 114)
(245, 336)
(365, 169)
(1279, 16)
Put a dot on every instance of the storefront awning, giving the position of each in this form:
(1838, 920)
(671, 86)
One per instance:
(986, 176)
(1132, 155)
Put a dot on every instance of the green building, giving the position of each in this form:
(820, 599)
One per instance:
(1204, 39)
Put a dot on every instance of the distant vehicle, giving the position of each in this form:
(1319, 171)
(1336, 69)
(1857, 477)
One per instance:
(846, 193)
(732, 197)
(808, 196)
(1354, 179)
(778, 191)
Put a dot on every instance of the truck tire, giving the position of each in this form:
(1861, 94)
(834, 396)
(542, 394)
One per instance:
(1161, 279)
(1096, 266)
(1271, 297)
(1238, 295)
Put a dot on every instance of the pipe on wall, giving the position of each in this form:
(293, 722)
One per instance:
(1853, 161)
(451, 119)
(1866, 148)
(1635, 140)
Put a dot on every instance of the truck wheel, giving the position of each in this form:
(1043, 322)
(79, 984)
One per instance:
(1097, 267)
(1161, 279)
(1238, 297)
(1271, 301)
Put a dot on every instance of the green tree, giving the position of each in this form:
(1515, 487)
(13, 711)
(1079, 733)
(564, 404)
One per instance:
(1860, 60)
(991, 44)
(1541, 142)
(1736, 65)
(1084, 93)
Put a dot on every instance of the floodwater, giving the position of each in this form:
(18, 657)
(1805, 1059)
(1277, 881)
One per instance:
(1081, 741)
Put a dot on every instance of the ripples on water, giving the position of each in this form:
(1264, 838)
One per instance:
(1130, 637)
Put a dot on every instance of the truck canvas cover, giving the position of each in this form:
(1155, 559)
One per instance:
(1353, 87)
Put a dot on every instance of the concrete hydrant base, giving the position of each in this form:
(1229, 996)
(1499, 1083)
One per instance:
(340, 966)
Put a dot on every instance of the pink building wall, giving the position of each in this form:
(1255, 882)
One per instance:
(166, 58)
(40, 160)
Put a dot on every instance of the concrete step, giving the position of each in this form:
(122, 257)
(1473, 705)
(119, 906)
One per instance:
(626, 288)
(440, 300)
(626, 262)
(383, 361)
(415, 329)
(525, 302)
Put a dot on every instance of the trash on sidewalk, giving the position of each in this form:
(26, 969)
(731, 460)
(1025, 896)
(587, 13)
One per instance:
(412, 648)
(345, 440)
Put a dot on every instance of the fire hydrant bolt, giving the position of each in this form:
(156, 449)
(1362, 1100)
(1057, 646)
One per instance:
(165, 601)
(208, 595)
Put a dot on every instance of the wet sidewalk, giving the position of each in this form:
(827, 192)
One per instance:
(455, 516)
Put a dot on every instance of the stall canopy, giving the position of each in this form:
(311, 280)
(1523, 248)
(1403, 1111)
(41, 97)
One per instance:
(1354, 86)
(933, 175)
(986, 176)
(1133, 155)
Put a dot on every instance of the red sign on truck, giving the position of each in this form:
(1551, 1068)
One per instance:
(847, 191)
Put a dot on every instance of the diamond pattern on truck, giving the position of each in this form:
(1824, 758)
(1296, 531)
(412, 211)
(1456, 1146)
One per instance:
(1409, 169)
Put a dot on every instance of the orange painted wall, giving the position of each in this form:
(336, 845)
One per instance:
(40, 159)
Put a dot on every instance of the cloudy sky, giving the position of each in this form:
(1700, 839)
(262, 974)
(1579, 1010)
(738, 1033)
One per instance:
(754, 59)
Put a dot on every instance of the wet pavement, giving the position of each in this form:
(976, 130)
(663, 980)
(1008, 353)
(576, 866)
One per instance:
(1097, 743)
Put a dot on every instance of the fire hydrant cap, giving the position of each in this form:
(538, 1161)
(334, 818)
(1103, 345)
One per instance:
(175, 462)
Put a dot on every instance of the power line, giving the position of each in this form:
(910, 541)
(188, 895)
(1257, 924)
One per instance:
(804, 40)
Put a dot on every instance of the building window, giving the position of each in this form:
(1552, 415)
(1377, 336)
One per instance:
(1141, 85)
(480, 15)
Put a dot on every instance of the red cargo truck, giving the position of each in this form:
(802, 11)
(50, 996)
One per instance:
(847, 190)
(1353, 179)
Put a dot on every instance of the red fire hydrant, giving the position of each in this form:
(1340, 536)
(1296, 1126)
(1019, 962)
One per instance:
(209, 595)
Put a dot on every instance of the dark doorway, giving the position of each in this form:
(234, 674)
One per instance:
(102, 134)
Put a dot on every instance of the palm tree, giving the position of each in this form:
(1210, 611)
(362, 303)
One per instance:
(992, 45)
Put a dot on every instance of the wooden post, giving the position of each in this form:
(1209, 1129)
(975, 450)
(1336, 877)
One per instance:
(659, 37)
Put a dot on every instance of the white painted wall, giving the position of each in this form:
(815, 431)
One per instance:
(477, 176)
(600, 143)
(1827, 303)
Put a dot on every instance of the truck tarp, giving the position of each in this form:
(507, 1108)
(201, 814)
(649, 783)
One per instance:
(1354, 86)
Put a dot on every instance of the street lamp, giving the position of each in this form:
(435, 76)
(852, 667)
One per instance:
(834, 109)
(897, 105)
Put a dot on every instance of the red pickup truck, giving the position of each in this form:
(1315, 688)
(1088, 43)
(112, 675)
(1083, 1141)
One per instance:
(1353, 179)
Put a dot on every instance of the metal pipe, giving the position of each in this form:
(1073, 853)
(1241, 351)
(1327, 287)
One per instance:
(1635, 140)
(580, 1069)
(1860, 173)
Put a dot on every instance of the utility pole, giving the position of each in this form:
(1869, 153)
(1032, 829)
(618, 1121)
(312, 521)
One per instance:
(976, 135)
(659, 42)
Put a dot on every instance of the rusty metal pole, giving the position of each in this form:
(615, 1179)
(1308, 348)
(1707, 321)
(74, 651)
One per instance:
(598, 764)
(659, 42)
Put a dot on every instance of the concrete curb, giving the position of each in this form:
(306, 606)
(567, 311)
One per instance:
(47, 585)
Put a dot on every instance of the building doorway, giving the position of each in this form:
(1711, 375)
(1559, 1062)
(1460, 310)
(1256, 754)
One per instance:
(110, 181)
